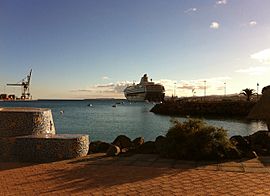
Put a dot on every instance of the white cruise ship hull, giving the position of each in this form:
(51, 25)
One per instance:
(145, 91)
(136, 97)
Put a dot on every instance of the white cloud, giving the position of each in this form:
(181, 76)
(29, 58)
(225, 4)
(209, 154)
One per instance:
(221, 2)
(194, 9)
(188, 87)
(262, 56)
(104, 90)
(105, 78)
(252, 23)
(254, 70)
(214, 25)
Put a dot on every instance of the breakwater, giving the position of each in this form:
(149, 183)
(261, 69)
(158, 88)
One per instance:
(204, 108)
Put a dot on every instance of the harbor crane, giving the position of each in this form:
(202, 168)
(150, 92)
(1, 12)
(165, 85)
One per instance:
(25, 85)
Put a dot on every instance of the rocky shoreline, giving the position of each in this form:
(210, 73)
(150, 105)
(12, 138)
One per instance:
(252, 146)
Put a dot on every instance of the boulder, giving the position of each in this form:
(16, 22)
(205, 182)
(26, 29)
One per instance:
(260, 150)
(241, 143)
(160, 144)
(122, 141)
(147, 148)
(232, 153)
(125, 150)
(137, 142)
(98, 146)
(113, 150)
(260, 142)
(251, 155)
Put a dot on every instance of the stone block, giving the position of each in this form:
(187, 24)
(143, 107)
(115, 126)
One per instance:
(25, 121)
(51, 147)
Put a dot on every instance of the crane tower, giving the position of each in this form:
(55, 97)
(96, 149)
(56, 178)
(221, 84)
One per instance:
(25, 85)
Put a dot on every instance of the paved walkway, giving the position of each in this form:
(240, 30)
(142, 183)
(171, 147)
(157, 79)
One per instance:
(136, 175)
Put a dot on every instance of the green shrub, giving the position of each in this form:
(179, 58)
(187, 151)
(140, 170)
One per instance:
(195, 140)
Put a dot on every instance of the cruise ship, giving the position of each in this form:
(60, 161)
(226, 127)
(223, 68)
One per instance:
(145, 91)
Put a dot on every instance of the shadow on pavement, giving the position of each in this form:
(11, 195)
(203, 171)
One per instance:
(7, 165)
(102, 172)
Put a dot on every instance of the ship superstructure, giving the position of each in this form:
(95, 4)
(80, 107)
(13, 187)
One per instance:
(145, 90)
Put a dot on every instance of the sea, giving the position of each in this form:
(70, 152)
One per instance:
(106, 119)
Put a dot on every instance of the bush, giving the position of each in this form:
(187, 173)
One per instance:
(195, 140)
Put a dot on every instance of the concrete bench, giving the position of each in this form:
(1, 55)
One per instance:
(51, 147)
(25, 121)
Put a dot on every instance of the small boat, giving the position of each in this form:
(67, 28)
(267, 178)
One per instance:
(114, 106)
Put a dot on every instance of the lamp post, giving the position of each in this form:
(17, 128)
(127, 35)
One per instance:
(224, 88)
(174, 89)
(204, 87)
(257, 91)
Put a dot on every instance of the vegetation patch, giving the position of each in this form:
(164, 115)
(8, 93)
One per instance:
(195, 140)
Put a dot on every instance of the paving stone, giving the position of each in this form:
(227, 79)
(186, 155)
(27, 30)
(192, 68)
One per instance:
(122, 162)
(179, 164)
(208, 167)
(231, 169)
(254, 164)
(78, 177)
(162, 164)
(256, 169)
(142, 163)
(231, 164)
(146, 157)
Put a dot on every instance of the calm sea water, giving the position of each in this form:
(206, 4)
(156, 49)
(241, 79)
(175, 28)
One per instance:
(104, 122)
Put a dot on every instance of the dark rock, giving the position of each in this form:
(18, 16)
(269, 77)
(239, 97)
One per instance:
(260, 137)
(232, 153)
(260, 142)
(241, 143)
(124, 150)
(160, 144)
(251, 154)
(122, 141)
(113, 150)
(147, 148)
(137, 142)
(98, 146)
(260, 150)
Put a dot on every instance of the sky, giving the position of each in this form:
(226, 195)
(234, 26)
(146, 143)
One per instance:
(95, 48)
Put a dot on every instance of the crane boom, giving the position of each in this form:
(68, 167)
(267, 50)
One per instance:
(25, 84)
(14, 84)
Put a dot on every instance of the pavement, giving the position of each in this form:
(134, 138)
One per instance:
(139, 174)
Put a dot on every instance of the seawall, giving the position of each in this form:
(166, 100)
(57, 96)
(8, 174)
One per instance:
(204, 108)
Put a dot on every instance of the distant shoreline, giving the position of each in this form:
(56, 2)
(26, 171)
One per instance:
(94, 99)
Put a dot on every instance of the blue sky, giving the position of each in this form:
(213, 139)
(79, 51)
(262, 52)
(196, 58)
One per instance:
(90, 49)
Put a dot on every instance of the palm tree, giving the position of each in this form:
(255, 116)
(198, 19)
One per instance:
(248, 93)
